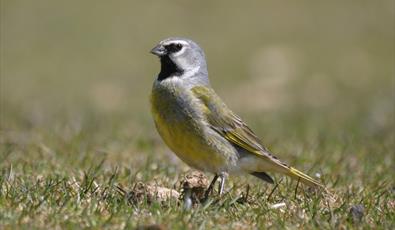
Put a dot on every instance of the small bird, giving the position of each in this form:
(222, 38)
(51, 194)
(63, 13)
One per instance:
(197, 125)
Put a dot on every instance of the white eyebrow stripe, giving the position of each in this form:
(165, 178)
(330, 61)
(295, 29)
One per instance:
(175, 41)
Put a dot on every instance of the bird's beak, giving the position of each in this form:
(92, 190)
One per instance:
(159, 50)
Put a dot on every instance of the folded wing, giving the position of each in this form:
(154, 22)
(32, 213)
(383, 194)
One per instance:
(230, 126)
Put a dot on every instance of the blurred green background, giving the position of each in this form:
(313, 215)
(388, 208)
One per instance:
(314, 79)
(81, 69)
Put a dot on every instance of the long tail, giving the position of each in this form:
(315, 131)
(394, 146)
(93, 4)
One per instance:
(277, 166)
(305, 179)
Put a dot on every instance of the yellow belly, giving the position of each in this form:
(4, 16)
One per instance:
(181, 126)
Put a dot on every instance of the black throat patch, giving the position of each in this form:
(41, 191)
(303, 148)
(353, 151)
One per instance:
(168, 68)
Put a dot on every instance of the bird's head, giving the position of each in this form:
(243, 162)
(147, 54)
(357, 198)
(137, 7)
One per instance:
(180, 57)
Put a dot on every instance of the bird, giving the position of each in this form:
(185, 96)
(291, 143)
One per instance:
(198, 126)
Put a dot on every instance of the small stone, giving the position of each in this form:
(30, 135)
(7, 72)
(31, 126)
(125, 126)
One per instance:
(357, 212)
(279, 205)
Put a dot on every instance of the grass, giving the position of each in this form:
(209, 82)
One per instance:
(315, 82)
(72, 183)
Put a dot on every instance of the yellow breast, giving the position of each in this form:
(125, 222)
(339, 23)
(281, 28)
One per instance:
(180, 123)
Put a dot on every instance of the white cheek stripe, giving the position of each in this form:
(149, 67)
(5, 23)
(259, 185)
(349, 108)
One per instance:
(169, 81)
(178, 79)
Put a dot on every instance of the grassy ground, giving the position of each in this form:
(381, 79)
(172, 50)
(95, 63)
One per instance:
(314, 80)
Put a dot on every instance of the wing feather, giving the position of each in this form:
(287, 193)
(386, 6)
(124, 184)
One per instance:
(229, 125)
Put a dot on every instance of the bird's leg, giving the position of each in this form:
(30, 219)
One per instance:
(223, 176)
(210, 187)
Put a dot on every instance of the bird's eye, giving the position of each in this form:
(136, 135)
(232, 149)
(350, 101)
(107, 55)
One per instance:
(174, 47)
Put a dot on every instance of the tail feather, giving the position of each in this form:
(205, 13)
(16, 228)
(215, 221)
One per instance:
(263, 176)
(305, 179)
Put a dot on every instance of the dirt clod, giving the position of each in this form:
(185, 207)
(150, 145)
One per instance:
(194, 185)
(150, 193)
